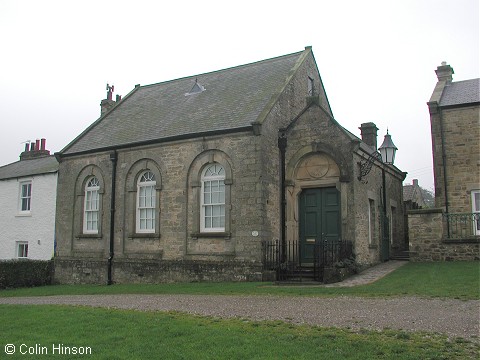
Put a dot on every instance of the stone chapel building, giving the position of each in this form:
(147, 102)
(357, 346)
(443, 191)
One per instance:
(181, 180)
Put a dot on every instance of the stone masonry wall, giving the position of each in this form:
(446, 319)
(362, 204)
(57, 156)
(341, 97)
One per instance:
(461, 128)
(86, 271)
(427, 243)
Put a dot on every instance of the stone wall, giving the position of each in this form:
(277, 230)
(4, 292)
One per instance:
(461, 133)
(85, 271)
(427, 231)
(252, 202)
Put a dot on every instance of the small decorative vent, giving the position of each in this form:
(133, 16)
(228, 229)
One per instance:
(197, 88)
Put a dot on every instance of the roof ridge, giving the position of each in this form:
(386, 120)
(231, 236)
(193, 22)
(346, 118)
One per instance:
(268, 107)
(222, 70)
(96, 122)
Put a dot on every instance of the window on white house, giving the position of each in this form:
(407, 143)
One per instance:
(213, 199)
(25, 196)
(22, 249)
(146, 203)
(476, 211)
(91, 208)
(371, 221)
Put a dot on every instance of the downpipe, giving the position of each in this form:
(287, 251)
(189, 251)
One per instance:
(113, 159)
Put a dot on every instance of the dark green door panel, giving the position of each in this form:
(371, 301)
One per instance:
(319, 219)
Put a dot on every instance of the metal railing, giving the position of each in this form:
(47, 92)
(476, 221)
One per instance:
(286, 260)
(462, 225)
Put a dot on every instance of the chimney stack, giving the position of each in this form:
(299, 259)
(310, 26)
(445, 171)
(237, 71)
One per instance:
(444, 72)
(369, 134)
(415, 182)
(35, 150)
(107, 104)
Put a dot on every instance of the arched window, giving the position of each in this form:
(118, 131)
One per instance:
(146, 203)
(91, 207)
(212, 213)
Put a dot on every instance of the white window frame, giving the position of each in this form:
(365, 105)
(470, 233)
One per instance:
(146, 203)
(27, 197)
(91, 207)
(476, 211)
(213, 176)
(22, 249)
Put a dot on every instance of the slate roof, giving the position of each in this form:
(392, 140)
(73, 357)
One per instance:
(408, 192)
(233, 98)
(461, 92)
(24, 168)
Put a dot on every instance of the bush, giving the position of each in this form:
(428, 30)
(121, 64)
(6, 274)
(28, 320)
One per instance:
(25, 273)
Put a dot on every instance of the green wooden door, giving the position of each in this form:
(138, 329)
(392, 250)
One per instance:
(319, 219)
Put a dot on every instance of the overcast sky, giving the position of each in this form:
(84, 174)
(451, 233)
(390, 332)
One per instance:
(376, 59)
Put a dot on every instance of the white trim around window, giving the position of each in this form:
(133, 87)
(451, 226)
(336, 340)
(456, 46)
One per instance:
(91, 206)
(22, 249)
(25, 197)
(476, 211)
(212, 208)
(146, 203)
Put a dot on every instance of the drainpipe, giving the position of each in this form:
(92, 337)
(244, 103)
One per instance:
(282, 146)
(444, 163)
(386, 254)
(113, 158)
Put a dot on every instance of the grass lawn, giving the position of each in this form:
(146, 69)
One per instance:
(460, 280)
(120, 334)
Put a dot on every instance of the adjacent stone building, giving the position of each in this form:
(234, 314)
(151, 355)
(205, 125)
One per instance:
(451, 231)
(181, 180)
(28, 189)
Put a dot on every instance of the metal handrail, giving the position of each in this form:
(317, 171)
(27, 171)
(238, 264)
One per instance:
(462, 225)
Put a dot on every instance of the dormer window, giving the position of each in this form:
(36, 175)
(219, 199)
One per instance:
(197, 88)
(311, 87)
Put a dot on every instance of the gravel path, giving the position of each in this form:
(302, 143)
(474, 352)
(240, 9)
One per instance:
(454, 318)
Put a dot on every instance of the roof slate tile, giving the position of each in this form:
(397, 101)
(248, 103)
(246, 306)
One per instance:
(24, 168)
(461, 92)
(233, 99)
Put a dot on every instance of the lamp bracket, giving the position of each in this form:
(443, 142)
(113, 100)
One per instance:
(366, 165)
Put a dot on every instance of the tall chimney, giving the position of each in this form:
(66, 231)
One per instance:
(107, 103)
(35, 150)
(369, 134)
(444, 72)
(415, 182)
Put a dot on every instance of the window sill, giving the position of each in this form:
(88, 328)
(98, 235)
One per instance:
(24, 214)
(144, 236)
(88, 236)
(225, 235)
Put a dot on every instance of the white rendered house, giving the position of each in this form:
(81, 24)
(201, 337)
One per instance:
(28, 191)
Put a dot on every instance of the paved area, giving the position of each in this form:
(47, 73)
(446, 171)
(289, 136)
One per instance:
(371, 274)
